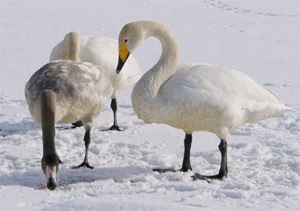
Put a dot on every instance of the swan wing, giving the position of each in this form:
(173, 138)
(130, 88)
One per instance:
(221, 90)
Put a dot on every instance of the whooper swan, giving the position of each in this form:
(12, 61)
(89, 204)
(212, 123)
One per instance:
(62, 92)
(194, 97)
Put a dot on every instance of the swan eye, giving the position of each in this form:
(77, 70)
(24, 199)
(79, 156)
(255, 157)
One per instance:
(125, 40)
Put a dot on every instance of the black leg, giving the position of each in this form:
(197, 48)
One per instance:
(186, 164)
(223, 149)
(223, 169)
(114, 107)
(87, 141)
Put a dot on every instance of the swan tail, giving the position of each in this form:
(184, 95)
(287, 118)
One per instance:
(72, 44)
(273, 94)
(266, 112)
(287, 109)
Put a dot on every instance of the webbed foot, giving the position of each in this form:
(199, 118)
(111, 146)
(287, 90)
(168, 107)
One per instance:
(204, 177)
(114, 127)
(74, 125)
(83, 164)
(77, 124)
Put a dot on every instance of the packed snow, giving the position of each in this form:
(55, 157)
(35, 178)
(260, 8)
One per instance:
(258, 38)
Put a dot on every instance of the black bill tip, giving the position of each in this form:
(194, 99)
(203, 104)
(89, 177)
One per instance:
(51, 185)
(121, 64)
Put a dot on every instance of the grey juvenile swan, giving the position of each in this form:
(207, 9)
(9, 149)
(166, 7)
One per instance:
(62, 92)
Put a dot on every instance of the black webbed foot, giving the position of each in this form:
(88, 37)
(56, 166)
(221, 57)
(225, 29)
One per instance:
(77, 124)
(83, 164)
(204, 177)
(114, 127)
(74, 125)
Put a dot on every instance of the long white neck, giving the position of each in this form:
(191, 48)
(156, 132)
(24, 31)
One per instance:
(151, 81)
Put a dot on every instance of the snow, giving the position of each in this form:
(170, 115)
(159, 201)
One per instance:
(258, 38)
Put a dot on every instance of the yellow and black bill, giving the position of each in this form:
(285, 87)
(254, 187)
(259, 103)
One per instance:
(123, 56)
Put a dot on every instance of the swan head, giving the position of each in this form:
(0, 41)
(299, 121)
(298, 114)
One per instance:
(50, 166)
(130, 37)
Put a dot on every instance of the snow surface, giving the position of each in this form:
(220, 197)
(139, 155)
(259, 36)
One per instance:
(258, 38)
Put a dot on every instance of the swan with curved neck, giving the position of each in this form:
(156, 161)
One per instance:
(194, 97)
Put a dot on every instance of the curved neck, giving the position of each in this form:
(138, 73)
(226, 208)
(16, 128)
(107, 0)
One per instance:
(72, 46)
(166, 65)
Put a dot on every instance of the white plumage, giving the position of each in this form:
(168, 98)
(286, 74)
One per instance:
(205, 97)
(194, 97)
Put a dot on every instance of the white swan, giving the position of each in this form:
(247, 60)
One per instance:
(194, 97)
(62, 92)
(101, 51)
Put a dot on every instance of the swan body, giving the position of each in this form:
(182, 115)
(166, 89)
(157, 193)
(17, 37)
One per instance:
(81, 90)
(101, 51)
(205, 97)
(194, 97)
(62, 92)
